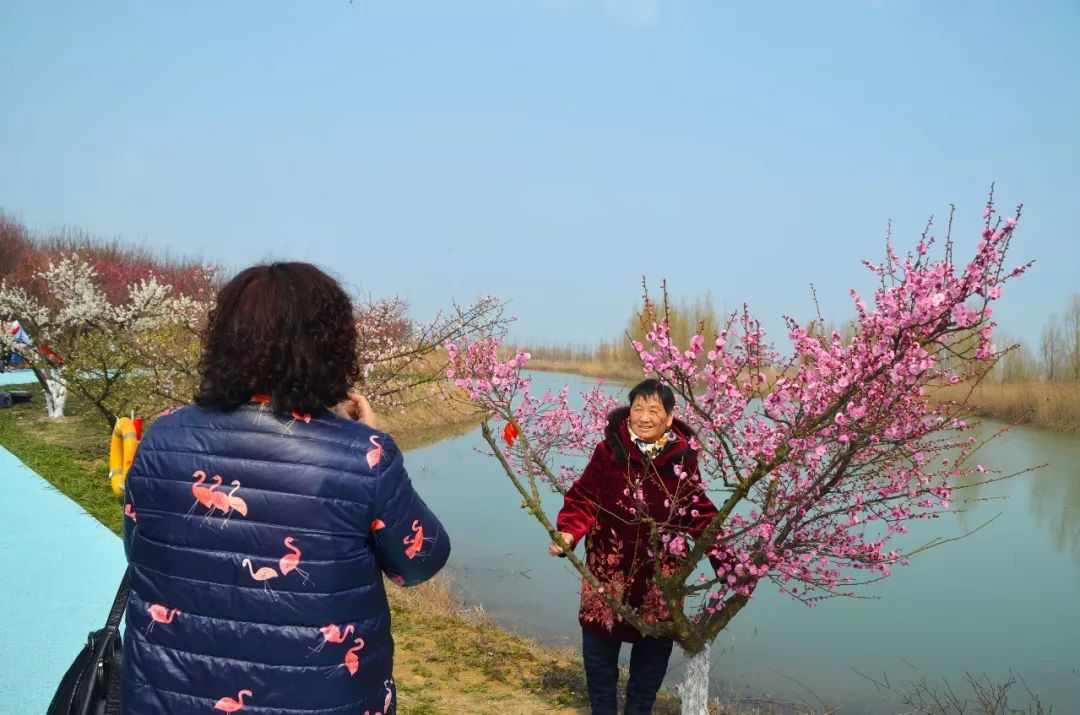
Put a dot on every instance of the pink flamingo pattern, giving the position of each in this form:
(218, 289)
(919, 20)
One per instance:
(226, 503)
(218, 500)
(388, 702)
(262, 401)
(352, 660)
(264, 574)
(236, 504)
(297, 417)
(203, 495)
(160, 614)
(291, 562)
(129, 512)
(415, 542)
(332, 634)
(229, 705)
(374, 455)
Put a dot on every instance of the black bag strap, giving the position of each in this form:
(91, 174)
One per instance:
(112, 690)
(120, 602)
(112, 685)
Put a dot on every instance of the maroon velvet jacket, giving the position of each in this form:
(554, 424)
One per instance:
(601, 506)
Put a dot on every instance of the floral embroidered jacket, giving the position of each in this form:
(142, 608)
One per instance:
(605, 507)
(257, 546)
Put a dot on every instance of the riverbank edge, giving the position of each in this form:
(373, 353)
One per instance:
(612, 372)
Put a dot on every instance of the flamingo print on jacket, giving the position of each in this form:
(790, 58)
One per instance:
(160, 614)
(239, 638)
(219, 501)
(236, 503)
(203, 495)
(415, 542)
(374, 455)
(229, 705)
(264, 574)
(263, 401)
(388, 702)
(291, 562)
(226, 503)
(296, 417)
(352, 660)
(332, 634)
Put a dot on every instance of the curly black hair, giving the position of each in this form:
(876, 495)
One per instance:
(285, 330)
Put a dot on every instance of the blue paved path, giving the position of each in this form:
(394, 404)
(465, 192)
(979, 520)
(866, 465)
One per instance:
(60, 569)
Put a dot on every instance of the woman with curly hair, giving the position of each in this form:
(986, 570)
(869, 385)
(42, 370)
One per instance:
(261, 519)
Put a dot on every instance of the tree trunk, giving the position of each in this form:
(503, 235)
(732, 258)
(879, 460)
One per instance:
(56, 393)
(694, 690)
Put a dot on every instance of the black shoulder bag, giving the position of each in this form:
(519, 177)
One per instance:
(91, 686)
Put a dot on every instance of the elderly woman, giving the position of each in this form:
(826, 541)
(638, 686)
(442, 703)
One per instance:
(646, 466)
(261, 519)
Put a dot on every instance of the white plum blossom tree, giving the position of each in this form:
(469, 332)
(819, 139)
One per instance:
(66, 306)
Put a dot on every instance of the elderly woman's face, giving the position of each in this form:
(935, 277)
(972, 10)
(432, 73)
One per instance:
(649, 419)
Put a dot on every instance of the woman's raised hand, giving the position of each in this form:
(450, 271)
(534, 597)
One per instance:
(356, 407)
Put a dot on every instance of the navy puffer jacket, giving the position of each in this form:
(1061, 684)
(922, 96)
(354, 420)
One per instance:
(257, 546)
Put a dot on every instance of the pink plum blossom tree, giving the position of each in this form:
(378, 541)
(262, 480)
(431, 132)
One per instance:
(815, 459)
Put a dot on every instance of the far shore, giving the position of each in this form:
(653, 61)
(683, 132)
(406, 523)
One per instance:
(1053, 406)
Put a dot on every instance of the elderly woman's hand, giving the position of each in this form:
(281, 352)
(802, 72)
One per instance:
(356, 407)
(556, 550)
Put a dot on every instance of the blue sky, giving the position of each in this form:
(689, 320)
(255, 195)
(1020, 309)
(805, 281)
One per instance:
(551, 152)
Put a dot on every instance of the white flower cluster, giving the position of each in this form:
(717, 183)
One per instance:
(67, 302)
(70, 302)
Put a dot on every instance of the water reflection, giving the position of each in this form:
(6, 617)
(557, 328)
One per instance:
(1052, 490)
(1055, 491)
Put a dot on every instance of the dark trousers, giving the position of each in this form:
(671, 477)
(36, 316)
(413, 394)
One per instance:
(648, 664)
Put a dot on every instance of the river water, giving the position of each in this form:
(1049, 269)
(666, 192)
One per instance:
(1006, 599)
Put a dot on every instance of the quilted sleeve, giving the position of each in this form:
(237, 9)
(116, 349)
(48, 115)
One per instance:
(409, 541)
